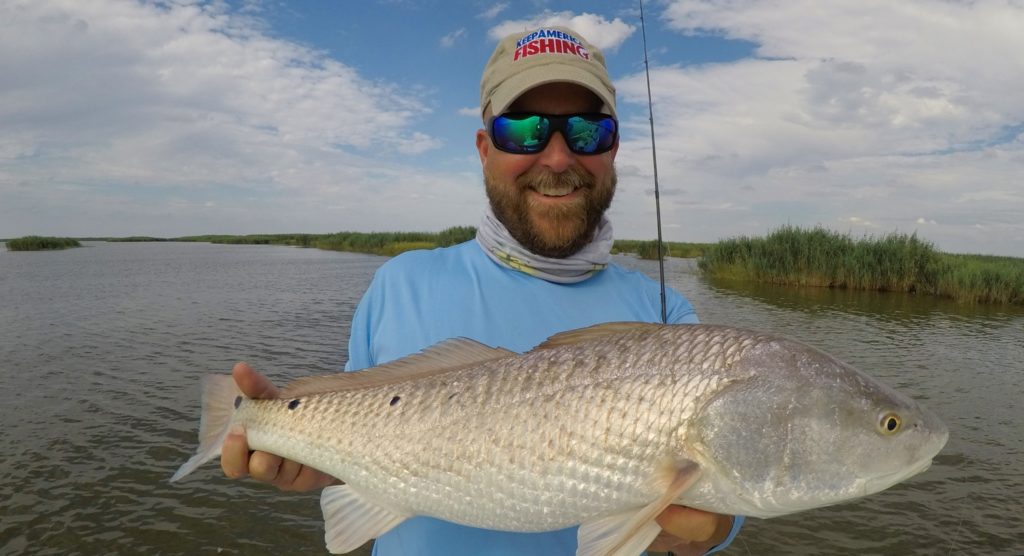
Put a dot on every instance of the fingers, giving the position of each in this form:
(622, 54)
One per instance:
(311, 479)
(688, 524)
(237, 461)
(251, 383)
(300, 478)
(235, 458)
(234, 454)
(286, 474)
(690, 532)
(266, 467)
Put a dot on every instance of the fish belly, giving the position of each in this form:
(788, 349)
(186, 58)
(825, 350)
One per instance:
(506, 453)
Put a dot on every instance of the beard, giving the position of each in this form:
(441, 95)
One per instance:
(555, 230)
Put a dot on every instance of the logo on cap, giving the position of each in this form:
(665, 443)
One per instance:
(549, 41)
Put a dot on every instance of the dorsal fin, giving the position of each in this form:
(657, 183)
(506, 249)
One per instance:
(596, 331)
(440, 358)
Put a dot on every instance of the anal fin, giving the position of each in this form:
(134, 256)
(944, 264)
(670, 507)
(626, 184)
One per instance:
(350, 519)
(630, 533)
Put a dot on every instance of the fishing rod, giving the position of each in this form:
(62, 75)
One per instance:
(654, 156)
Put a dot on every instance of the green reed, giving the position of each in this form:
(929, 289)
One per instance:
(131, 239)
(648, 249)
(393, 243)
(894, 262)
(377, 243)
(981, 278)
(297, 240)
(41, 243)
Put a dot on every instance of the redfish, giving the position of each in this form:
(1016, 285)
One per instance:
(601, 427)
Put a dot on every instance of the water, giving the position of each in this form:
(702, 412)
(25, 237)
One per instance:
(101, 350)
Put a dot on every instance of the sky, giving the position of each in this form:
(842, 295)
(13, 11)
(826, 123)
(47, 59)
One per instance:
(170, 118)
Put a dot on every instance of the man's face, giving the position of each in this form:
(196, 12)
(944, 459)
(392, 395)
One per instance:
(552, 201)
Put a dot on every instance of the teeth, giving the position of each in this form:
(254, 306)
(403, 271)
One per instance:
(556, 191)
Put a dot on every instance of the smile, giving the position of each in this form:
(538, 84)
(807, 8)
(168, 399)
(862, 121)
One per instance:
(555, 190)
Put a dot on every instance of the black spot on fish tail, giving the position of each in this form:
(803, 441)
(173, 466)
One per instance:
(293, 404)
(238, 401)
(395, 400)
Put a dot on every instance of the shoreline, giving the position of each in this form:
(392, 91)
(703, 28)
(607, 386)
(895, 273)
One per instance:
(788, 256)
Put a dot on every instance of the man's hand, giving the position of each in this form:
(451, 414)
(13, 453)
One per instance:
(237, 461)
(689, 532)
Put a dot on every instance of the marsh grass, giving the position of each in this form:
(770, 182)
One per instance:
(649, 249)
(393, 243)
(134, 239)
(297, 240)
(982, 278)
(376, 243)
(894, 262)
(41, 243)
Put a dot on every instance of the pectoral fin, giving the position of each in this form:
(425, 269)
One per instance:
(350, 520)
(630, 533)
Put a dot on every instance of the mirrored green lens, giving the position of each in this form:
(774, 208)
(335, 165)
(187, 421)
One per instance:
(586, 135)
(526, 135)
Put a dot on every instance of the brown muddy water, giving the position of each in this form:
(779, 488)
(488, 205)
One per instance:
(102, 348)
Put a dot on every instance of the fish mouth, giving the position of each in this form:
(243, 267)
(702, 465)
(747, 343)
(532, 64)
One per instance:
(882, 482)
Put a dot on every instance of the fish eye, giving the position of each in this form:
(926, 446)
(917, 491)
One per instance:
(890, 424)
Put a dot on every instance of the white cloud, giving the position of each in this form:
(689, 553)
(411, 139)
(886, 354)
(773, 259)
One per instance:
(450, 39)
(599, 31)
(125, 105)
(171, 117)
(494, 11)
(146, 83)
(843, 111)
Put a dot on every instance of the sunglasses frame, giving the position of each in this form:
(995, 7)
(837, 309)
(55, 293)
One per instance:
(558, 123)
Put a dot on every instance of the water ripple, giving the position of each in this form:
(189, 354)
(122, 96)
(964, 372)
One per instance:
(102, 349)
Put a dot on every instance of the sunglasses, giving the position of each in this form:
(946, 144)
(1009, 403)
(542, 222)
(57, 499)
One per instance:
(529, 133)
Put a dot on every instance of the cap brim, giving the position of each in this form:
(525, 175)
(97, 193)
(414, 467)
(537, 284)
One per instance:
(523, 81)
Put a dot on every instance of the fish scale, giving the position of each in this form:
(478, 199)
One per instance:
(614, 420)
(511, 451)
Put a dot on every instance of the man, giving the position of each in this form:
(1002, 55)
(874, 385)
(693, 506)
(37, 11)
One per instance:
(540, 264)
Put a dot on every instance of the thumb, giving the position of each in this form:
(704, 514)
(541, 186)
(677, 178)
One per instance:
(251, 383)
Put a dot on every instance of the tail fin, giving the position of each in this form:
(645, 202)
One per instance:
(219, 395)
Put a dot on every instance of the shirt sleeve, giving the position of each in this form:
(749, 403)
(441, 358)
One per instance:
(360, 346)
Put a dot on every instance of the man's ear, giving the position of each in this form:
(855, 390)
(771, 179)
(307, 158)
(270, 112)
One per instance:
(483, 145)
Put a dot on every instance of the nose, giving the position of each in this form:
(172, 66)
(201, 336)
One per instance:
(556, 156)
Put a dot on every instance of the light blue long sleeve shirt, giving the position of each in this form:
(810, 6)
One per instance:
(420, 298)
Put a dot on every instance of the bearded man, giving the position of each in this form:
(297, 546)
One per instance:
(540, 264)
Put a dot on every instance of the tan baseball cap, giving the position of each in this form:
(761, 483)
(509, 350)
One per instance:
(524, 60)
